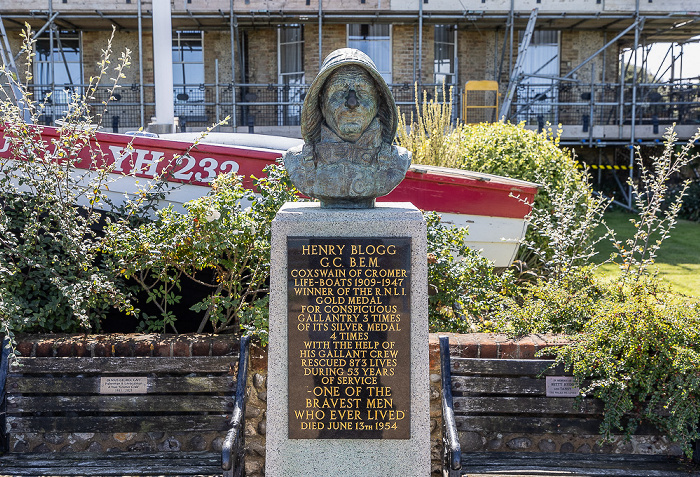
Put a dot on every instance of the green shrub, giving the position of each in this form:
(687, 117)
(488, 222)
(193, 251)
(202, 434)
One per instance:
(499, 148)
(220, 243)
(636, 343)
(641, 353)
(547, 306)
(691, 204)
(53, 276)
(464, 289)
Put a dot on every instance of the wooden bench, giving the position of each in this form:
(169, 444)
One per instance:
(188, 420)
(506, 399)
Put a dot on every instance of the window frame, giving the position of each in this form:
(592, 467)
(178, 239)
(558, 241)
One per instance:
(388, 76)
(62, 35)
(454, 59)
(290, 114)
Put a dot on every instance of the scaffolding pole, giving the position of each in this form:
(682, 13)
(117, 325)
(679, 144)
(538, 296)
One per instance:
(9, 61)
(420, 42)
(638, 22)
(634, 106)
(233, 30)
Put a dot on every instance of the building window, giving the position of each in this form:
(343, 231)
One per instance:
(375, 41)
(445, 54)
(67, 67)
(536, 91)
(60, 68)
(290, 71)
(188, 76)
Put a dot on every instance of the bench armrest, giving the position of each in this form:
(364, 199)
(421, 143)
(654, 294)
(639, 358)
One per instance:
(450, 438)
(233, 449)
(4, 368)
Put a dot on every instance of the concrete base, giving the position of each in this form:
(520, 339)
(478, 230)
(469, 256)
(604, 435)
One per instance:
(160, 128)
(348, 457)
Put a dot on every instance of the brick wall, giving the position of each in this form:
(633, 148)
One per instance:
(334, 37)
(404, 58)
(262, 55)
(217, 46)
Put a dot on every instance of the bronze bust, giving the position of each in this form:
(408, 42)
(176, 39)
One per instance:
(348, 123)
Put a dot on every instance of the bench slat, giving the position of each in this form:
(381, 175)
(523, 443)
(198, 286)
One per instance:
(528, 463)
(91, 384)
(123, 366)
(492, 385)
(534, 425)
(525, 405)
(121, 423)
(113, 464)
(505, 367)
(119, 403)
(583, 425)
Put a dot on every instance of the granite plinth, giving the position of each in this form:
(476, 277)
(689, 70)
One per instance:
(371, 456)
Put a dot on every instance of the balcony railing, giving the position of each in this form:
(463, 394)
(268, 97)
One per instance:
(608, 104)
(199, 106)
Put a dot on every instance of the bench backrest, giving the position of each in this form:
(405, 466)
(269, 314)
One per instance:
(131, 403)
(510, 395)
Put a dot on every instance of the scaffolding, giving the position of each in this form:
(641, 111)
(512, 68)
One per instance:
(628, 111)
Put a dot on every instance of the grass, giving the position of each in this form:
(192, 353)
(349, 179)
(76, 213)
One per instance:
(678, 261)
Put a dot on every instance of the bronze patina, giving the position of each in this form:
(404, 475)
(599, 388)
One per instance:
(348, 123)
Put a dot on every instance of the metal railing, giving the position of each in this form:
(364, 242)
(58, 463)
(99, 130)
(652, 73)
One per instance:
(199, 106)
(608, 104)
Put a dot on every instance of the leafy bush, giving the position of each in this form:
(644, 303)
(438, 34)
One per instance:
(464, 289)
(641, 351)
(497, 148)
(219, 243)
(633, 340)
(545, 306)
(691, 204)
(52, 274)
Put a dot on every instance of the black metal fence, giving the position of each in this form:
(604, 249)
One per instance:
(199, 106)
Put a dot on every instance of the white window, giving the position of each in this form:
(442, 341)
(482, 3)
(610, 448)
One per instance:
(540, 70)
(445, 54)
(290, 71)
(375, 41)
(60, 66)
(67, 66)
(188, 77)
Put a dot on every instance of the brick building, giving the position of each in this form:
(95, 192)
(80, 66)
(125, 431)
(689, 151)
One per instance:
(556, 61)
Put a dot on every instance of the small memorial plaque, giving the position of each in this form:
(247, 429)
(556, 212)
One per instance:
(562, 386)
(123, 384)
(349, 338)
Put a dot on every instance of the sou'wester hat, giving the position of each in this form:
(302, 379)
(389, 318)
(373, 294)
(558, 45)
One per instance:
(311, 116)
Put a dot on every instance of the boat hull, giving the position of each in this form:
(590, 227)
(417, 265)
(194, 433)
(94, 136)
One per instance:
(494, 208)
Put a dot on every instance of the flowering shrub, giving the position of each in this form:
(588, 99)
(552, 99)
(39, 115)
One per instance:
(500, 148)
(464, 290)
(53, 276)
(641, 354)
(222, 243)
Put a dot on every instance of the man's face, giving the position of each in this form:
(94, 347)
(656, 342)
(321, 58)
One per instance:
(349, 102)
